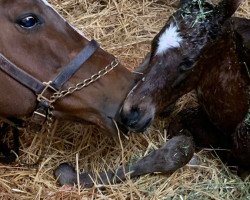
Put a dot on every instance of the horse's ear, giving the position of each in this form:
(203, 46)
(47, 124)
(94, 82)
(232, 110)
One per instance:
(228, 7)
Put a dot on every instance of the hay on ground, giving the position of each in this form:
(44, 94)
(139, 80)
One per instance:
(125, 29)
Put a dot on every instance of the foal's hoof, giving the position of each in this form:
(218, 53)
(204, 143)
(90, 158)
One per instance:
(65, 174)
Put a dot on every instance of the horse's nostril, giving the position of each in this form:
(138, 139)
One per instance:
(131, 117)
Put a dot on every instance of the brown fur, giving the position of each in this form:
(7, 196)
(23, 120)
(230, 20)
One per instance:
(212, 59)
(42, 53)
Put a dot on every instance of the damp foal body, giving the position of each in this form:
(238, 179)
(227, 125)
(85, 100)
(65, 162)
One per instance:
(199, 48)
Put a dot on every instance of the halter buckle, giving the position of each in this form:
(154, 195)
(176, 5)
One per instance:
(39, 116)
(41, 97)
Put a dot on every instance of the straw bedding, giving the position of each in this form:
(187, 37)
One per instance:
(125, 29)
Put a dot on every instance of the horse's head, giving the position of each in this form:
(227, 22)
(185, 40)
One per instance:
(34, 37)
(174, 59)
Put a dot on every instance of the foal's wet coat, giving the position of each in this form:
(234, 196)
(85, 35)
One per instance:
(203, 50)
(209, 52)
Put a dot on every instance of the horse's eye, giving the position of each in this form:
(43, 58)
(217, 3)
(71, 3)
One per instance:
(29, 21)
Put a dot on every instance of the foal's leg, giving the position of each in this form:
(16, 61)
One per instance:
(167, 159)
(205, 134)
(197, 122)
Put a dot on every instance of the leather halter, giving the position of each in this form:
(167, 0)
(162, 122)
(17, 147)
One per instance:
(40, 88)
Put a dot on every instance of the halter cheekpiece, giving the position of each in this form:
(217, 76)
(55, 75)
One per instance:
(42, 89)
(48, 92)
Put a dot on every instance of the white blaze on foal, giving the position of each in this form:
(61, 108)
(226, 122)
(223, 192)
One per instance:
(170, 38)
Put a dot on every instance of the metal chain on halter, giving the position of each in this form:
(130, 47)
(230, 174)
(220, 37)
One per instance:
(57, 95)
(85, 83)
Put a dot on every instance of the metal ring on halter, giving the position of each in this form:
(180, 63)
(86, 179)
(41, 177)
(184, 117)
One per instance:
(43, 113)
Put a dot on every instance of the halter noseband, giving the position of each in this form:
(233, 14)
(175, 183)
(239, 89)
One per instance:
(41, 88)
(43, 112)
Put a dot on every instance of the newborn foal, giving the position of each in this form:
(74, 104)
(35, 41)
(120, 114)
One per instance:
(200, 48)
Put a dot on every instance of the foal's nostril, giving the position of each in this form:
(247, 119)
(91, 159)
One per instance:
(134, 117)
(131, 118)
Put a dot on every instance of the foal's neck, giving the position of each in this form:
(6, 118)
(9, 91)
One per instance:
(223, 86)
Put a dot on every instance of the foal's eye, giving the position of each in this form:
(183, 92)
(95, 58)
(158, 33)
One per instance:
(29, 21)
(186, 66)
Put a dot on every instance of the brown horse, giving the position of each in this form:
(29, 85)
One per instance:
(201, 48)
(44, 61)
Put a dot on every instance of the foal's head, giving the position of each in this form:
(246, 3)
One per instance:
(38, 40)
(174, 54)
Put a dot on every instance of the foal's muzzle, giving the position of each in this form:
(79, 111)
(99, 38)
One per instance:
(135, 119)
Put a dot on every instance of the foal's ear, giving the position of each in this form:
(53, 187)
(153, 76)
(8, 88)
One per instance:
(182, 2)
(228, 7)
